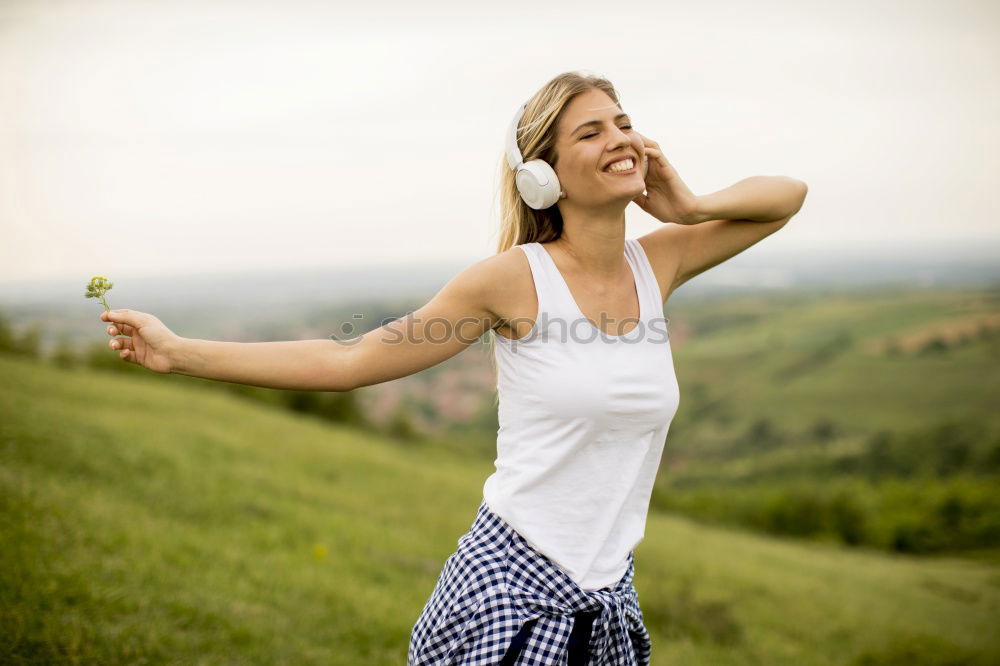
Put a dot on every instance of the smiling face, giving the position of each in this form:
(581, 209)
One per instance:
(593, 133)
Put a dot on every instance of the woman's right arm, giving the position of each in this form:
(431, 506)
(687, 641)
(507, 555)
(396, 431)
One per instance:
(456, 317)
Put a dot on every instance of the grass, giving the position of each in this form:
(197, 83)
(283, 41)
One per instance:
(147, 523)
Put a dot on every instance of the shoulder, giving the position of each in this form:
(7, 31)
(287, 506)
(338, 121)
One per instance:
(493, 283)
(666, 242)
(664, 248)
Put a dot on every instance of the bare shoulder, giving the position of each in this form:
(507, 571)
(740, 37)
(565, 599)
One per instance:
(511, 288)
(664, 248)
(466, 306)
(494, 285)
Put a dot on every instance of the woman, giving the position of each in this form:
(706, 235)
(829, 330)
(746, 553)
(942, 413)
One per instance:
(585, 376)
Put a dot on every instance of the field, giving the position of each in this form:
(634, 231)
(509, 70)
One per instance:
(149, 522)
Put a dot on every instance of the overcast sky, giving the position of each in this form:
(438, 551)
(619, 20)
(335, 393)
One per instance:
(152, 138)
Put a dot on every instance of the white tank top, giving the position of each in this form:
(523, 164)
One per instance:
(583, 419)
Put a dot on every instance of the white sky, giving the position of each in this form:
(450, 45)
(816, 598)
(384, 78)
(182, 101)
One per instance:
(151, 138)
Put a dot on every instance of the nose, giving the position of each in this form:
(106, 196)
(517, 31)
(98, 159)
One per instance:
(618, 139)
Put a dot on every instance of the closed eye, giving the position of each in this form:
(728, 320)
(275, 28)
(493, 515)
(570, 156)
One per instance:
(587, 136)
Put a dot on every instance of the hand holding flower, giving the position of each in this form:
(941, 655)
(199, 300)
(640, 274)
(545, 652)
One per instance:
(147, 341)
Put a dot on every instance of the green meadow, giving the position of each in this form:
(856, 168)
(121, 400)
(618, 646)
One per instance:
(150, 522)
(868, 418)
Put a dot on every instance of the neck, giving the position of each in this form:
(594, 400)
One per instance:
(594, 238)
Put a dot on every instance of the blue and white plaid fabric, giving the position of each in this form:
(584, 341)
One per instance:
(500, 601)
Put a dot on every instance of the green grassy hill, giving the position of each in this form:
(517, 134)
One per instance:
(853, 361)
(147, 522)
(868, 417)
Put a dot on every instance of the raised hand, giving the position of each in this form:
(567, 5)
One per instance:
(667, 198)
(147, 341)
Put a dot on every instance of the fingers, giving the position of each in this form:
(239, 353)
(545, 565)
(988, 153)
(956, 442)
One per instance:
(125, 329)
(656, 154)
(649, 143)
(124, 321)
(128, 317)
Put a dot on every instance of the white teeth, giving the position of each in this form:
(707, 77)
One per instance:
(624, 165)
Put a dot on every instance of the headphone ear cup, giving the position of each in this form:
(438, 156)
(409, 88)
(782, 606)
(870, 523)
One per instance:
(538, 184)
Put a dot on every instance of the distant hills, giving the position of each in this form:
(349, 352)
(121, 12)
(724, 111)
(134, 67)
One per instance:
(938, 264)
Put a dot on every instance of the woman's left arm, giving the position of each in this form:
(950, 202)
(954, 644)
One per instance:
(711, 228)
(758, 199)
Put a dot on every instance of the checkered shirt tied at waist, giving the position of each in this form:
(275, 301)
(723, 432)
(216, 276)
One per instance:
(500, 601)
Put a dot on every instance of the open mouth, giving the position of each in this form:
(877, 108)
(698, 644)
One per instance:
(622, 167)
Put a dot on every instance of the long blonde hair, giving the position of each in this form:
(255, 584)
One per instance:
(536, 139)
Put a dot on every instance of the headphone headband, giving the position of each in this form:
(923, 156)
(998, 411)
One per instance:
(514, 158)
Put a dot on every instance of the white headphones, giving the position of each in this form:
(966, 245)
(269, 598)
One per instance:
(536, 180)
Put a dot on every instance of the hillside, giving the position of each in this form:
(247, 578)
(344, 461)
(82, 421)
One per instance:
(154, 523)
(866, 417)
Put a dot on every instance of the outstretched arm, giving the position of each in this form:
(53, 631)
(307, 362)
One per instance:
(299, 364)
(455, 318)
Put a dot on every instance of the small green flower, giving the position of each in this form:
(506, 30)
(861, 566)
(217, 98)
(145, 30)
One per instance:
(97, 288)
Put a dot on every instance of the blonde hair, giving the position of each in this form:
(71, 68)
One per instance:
(536, 139)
